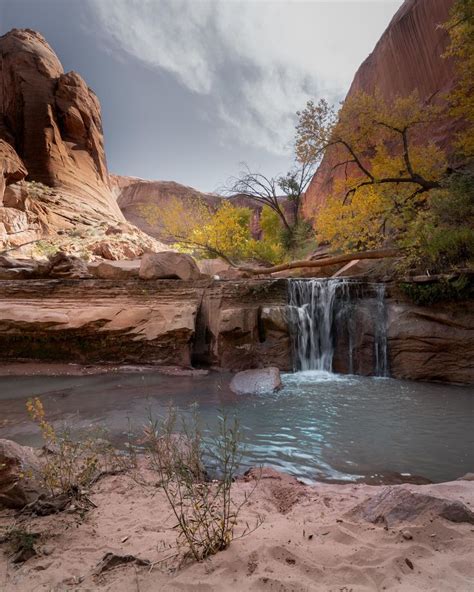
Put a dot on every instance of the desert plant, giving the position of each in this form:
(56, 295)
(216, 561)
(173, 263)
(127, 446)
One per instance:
(205, 510)
(69, 465)
(20, 541)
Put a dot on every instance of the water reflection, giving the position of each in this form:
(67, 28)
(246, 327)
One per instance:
(319, 426)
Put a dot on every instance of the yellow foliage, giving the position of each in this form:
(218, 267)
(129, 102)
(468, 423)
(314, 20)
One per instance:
(224, 232)
(461, 48)
(356, 224)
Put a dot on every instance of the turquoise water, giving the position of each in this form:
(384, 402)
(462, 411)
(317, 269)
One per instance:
(320, 426)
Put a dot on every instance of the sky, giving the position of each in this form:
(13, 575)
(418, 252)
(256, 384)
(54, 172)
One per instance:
(190, 89)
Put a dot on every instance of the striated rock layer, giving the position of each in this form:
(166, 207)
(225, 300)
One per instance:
(163, 322)
(407, 58)
(53, 121)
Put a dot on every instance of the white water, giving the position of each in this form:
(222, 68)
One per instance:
(322, 309)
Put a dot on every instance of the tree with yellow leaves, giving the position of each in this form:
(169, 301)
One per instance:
(215, 232)
(386, 170)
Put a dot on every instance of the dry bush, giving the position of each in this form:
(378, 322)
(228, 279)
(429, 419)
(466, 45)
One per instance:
(69, 465)
(205, 510)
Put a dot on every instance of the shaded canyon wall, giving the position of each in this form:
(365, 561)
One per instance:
(407, 57)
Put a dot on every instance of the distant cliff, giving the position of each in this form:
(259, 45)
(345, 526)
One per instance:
(408, 57)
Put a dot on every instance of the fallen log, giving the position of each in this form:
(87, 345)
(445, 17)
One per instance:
(377, 254)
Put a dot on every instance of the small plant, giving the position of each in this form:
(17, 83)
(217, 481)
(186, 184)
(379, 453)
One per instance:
(20, 542)
(69, 465)
(440, 291)
(205, 511)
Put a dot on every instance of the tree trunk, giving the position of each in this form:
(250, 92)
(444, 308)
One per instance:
(378, 254)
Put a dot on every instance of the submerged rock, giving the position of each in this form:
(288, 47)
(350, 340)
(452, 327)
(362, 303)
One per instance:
(19, 471)
(168, 265)
(255, 382)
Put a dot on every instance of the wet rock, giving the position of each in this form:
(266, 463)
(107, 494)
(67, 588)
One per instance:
(255, 382)
(398, 505)
(19, 475)
(168, 265)
(431, 343)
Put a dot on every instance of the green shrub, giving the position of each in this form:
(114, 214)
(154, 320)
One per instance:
(461, 288)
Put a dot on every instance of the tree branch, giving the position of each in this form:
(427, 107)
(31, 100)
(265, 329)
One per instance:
(378, 254)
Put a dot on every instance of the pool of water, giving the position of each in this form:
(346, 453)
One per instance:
(320, 426)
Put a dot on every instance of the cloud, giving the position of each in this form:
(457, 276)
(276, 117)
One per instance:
(255, 61)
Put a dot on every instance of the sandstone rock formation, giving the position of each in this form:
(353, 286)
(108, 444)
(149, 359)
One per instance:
(53, 121)
(431, 343)
(406, 58)
(54, 176)
(133, 193)
(19, 475)
(12, 168)
(397, 505)
(256, 382)
(166, 265)
(162, 322)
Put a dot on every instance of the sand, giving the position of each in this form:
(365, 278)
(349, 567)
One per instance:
(308, 541)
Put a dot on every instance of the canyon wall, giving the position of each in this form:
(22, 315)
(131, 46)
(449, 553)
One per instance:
(134, 195)
(407, 57)
(233, 325)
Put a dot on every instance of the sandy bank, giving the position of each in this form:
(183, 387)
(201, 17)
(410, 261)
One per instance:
(310, 540)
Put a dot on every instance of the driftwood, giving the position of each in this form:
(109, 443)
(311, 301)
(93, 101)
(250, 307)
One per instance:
(334, 260)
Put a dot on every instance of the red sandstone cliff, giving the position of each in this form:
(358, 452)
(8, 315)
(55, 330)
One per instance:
(53, 121)
(54, 182)
(407, 57)
(133, 193)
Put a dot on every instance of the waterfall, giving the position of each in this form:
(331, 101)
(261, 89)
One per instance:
(323, 312)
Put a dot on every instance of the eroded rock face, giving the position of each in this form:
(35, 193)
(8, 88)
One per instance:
(431, 343)
(407, 57)
(126, 319)
(12, 168)
(19, 475)
(242, 325)
(53, 121)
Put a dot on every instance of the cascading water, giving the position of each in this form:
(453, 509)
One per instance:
(324, 311)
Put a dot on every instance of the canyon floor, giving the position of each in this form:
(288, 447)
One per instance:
(311, 539)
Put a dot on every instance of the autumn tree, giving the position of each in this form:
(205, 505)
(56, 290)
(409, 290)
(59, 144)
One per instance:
(460, 28)
(213, 232)
(282, 194)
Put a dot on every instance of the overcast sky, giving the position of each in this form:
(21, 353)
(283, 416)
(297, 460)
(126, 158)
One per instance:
(191, 88)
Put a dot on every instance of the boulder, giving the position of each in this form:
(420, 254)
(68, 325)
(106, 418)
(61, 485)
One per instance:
(255, 382)
(115, 250)
(397, 505)
(20, 481)
(168, 265)
(67, 266)
(115, 270)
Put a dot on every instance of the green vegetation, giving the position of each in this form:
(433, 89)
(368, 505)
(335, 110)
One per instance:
(461, 288)
(205, 510)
